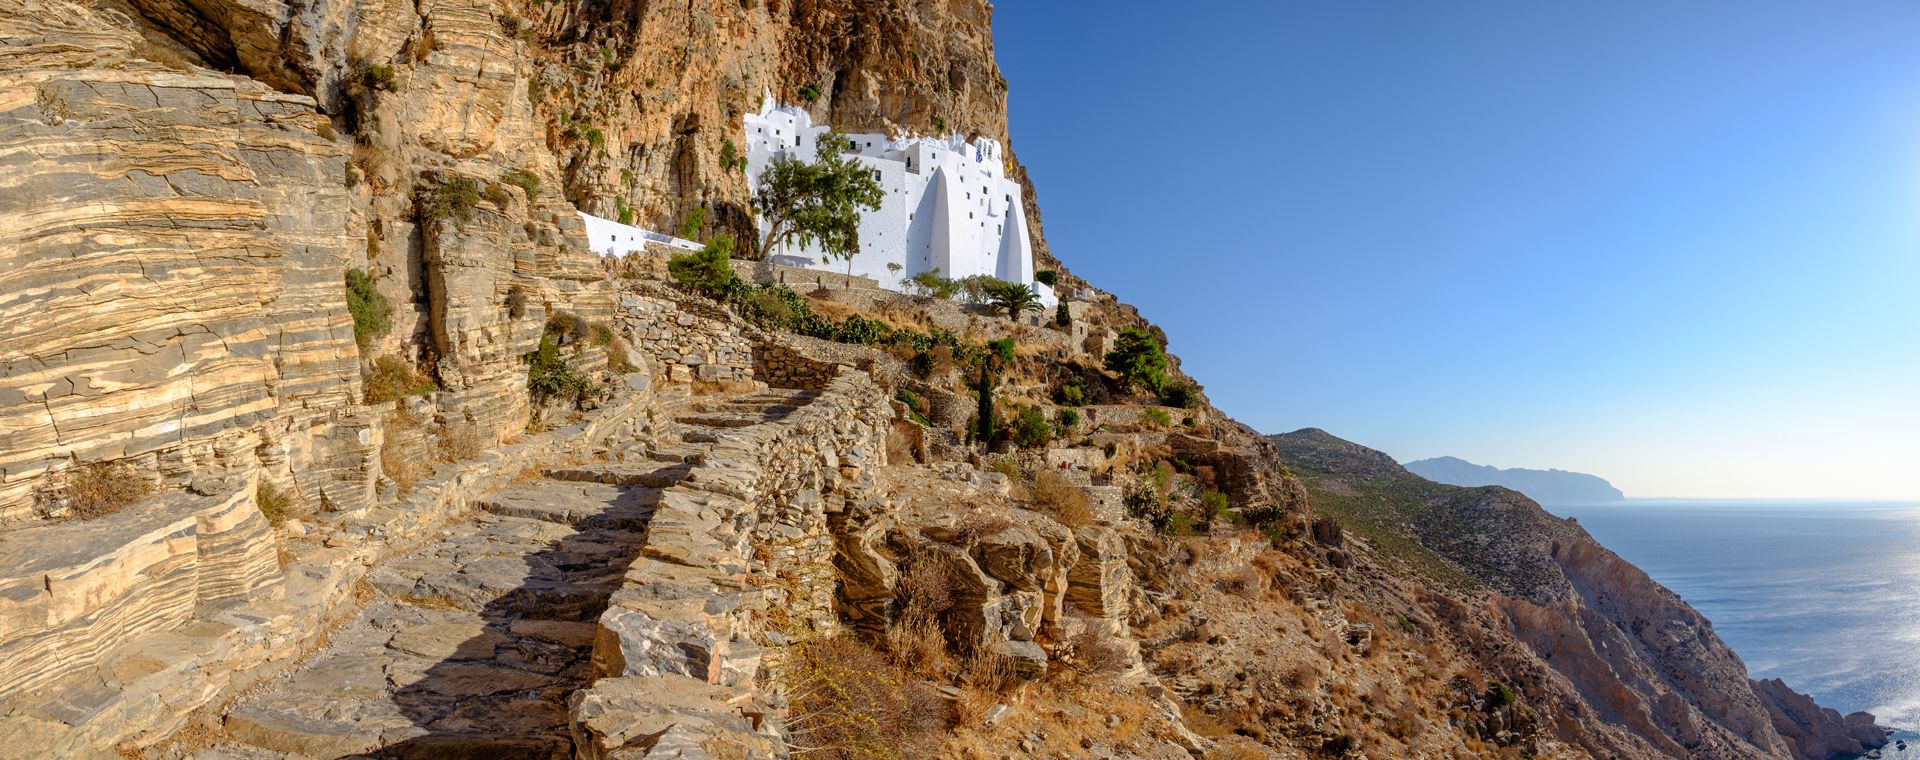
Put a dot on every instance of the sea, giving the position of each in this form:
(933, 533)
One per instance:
(1823, 594)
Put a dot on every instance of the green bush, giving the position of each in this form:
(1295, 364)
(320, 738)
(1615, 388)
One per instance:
(1182, 394)
(1030, 428)
(1139, 359)
(1047, 277)
(1157, 416)
(1498, 695)
(453, 199)
(625, 212)
(930, 283)
(939, 124)
(1001, 349)
(1066, 420)
(730, 158)
(372, 312)
(378, 76)
(912, 402)
(1062, 316)
(1215, 503)
(1073, 392)
(707, 270)
(552, 378)
(525, 180)
(595, 137)
(809, 92)
(696, 219)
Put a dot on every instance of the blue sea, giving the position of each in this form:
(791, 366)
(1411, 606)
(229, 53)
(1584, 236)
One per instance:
(1823, 594)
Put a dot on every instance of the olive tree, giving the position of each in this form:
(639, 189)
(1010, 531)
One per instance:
(816, 202)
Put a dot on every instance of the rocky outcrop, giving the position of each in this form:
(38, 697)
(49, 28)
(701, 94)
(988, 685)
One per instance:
(1816, 731)
(171, 248)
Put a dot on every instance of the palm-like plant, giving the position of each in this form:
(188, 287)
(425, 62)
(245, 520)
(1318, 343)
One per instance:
(1015, 297)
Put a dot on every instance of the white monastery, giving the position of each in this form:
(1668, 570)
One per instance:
(610, 238)
(948, 204)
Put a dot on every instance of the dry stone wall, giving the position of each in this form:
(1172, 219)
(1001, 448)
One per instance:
(691, 338)
(743, 540)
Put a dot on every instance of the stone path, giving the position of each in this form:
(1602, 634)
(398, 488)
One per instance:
(472, 643)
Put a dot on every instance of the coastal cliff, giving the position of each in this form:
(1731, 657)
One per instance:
(299, 289)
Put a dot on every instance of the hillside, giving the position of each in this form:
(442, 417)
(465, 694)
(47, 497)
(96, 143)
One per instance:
(323, 434)
(1544, 486)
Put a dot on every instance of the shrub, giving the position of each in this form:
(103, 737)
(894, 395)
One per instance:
(516, 302)
(1030, 428)
(1062, 315)
(451, 200)
(809, 92)
(930, 283)
(372, 312)
(1157, 416)
(1066, 502)
(939, 124)
(912, 401)
(1182, 394)
(1498, 696)
(1001, 349)
(706, 270)
(552, 378)
(845, 700)
(1047, 277)
(696, 219)
(461, 440)
(625, 212)
(595, 137)
(985, 425)
(1139, 359)
(525, 180)
(378, 76)
(1215, 503)
(618, 361)
(1073, 392)
(1066, 420)
(568, 328)
(273, 504)
(730, 158)
(98, 489)
(392, 378)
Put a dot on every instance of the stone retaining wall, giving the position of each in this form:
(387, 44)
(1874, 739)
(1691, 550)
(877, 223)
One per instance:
(691, 338)
(742, 542)
(799, 278)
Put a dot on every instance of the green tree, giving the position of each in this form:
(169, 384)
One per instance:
(1015, 297)
(706, 270)
(1139, 359)
(1047, 277)
(817, 202)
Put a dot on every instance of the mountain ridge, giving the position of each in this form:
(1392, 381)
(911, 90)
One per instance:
(1549, 486)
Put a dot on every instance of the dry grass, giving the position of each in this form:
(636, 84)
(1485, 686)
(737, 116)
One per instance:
(917, 643)
(1066, 502)
(989, 679)
(395, 463)
(274, 504)
(846, 701)
(462, 440)
(98, 489)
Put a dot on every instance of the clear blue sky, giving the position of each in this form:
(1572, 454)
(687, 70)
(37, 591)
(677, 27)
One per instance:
(1673, 244)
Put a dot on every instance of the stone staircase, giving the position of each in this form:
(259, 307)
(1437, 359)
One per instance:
(472, 644)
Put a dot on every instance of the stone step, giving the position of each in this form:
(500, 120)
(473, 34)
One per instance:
(570, 499)
(648, 476)
(402, 680)
(717, 420)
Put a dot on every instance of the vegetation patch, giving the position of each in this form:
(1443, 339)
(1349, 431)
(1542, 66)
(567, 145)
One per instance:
(452, 200)
(525, 180)
(98, 489)
(393, 378)
(372, 312)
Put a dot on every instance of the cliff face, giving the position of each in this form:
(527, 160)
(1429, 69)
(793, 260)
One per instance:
(184, 185)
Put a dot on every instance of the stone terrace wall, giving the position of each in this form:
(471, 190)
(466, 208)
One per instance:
(690, 337)
(744, 539)
(799, 278)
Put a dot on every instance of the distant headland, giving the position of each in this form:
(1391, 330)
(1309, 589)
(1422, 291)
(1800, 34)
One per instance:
(1544, 486)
